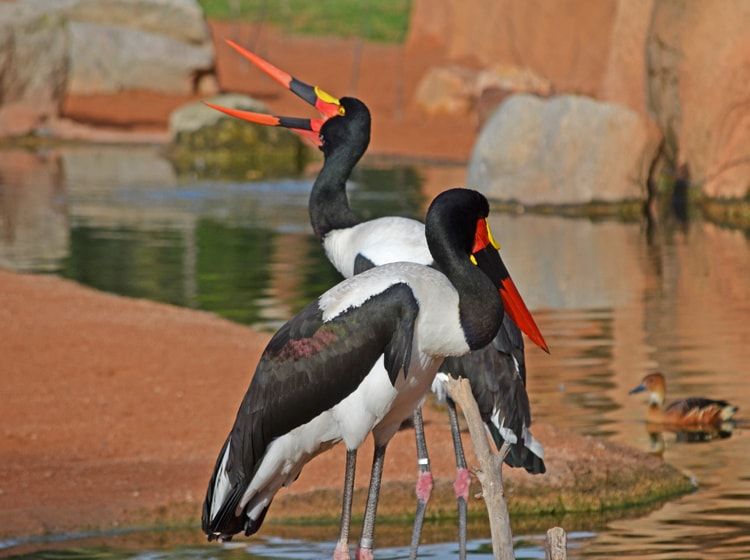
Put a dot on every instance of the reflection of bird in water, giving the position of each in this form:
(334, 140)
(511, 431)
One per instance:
(697, 434)
(693, 415)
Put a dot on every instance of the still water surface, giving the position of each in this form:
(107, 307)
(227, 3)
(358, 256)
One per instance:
(614, 300)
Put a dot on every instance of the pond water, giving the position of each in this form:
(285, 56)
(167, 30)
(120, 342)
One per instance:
(614, 300)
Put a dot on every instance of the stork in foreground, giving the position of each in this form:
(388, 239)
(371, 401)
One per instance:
(496, 372)
(358, 359)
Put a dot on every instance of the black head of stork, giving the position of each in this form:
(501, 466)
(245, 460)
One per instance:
(483, 250)
(349, 127)
(342, 133)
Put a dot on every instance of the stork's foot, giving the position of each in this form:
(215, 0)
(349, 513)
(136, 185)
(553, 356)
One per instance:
(342, 551)
(424, 487)
(364, 554)
(462, 483)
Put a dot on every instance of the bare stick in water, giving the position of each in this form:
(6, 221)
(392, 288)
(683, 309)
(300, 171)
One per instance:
(555, 547)
(490, 473)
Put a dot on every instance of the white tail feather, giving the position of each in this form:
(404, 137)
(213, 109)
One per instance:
(221, 485)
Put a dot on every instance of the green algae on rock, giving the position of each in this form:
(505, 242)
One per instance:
(208, 144)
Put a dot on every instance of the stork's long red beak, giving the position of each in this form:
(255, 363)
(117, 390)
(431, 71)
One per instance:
(326, 104)
(485, 254)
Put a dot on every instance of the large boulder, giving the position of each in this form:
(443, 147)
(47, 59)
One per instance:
(55, 51)
(33, 66)
(107, 59)
(562, 150)
(698, 56)
(181, 20)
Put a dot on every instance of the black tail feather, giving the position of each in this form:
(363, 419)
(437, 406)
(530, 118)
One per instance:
(519, 456)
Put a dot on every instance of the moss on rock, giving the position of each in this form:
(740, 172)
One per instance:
(208, 144)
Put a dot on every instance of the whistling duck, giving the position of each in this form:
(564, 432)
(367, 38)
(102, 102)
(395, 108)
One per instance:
(693, 411)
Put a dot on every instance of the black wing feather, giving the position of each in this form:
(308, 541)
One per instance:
(308, 367)
(498, 385)
(362, 263)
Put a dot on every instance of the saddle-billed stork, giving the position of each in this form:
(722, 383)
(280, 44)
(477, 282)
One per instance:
(497, 372)
(357, 360)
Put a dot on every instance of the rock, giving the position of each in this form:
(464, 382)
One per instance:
(456, 90)
(496, 83)
(181, 20)
(33, 67)
(510, 77)
(207, 85)
(625, 77)
(110, 59)
(195, 116)
(563, 150)
(208, 143)
(565, 42)
(698, 56)
(52, 50)
(446, 90)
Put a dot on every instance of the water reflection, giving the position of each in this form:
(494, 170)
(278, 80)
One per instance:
(155, 545)
(120, 220)
(613, 304)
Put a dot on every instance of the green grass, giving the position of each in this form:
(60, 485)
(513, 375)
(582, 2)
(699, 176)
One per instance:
(373, 20)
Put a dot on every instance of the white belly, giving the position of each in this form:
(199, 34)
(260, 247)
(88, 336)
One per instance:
(376, 405)
(382, 241)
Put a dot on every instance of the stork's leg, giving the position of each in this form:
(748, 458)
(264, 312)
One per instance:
(364, 552)
(342, 547)
(463, 479)
(424, 482)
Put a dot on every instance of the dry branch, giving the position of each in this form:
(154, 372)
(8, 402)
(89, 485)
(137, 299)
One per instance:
(556, 546)
(490, 469)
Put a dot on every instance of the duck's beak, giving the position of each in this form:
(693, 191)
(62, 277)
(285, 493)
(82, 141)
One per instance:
(485, 254)
(327, 105)
(639, 389)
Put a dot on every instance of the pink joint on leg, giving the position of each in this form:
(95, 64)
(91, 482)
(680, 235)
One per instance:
(461, 485)
(341, 552)
(364, 554)
(424, 487)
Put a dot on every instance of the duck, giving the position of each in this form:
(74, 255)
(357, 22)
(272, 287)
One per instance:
(692, 412)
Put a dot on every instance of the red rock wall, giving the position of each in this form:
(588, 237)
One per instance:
(684, 63)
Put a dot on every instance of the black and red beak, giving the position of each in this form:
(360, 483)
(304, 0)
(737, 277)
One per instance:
(327, 105)
(485, 254)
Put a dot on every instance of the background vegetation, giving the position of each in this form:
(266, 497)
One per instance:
(381, 20)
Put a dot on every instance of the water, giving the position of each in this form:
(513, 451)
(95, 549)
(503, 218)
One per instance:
(614, 300)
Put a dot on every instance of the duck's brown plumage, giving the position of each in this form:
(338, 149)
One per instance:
(693, 411)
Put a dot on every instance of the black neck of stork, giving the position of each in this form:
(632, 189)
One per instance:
(449, 228)
(345, 140)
